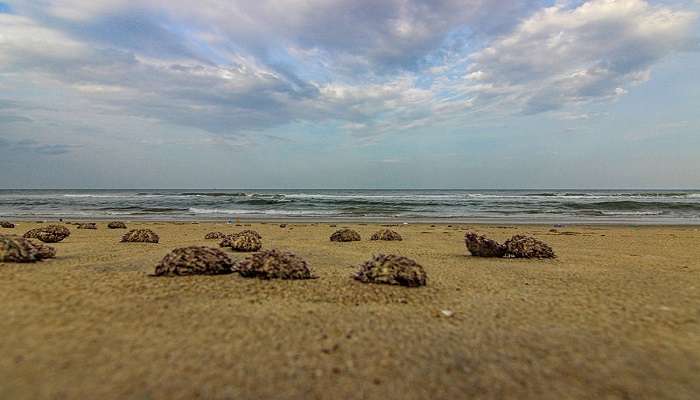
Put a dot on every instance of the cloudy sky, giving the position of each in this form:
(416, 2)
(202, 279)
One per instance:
(349, 94)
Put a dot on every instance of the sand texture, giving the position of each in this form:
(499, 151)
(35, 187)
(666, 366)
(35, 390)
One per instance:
(615, 316)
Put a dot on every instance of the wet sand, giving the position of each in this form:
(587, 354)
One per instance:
(617, 315)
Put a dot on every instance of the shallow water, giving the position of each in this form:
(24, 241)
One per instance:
(507, 205)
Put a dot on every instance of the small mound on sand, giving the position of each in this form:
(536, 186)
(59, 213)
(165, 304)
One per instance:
(214, 235)
(243, 242)
(392, 270)
(87, 225)
(481, 246)
(345, 235)
(140, 236)
(520, 246)
(48, 234)
(194, 260)
(116, 225)
(274, 264)
(386, 234)
(43, 250)
(6, 224)
(21, 250)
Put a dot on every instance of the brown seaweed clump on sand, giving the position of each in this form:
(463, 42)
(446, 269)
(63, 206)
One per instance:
(140, 236)
(194, 260)
(274, 264)
(345, 235)
(386, 234)
(116, 225)
(43, 250)
(48, 234)
(242, 242)
(21, 250)
(6, 224)
(481, 246)
(520, 246)
(215, 235)
(87, 225)
(392, 270)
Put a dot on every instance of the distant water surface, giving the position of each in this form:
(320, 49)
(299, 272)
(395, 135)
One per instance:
(681, 206)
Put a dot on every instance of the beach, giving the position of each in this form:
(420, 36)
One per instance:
(616, 315)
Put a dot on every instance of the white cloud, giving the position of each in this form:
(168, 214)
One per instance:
(220, 69)
(564, 55)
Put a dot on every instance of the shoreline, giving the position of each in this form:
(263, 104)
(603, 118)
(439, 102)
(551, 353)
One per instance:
(612, 222)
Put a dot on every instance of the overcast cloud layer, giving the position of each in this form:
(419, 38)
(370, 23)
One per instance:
(349, 93)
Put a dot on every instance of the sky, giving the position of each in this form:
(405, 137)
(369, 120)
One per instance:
(349, 94)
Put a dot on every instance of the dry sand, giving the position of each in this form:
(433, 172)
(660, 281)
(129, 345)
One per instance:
(617, 315)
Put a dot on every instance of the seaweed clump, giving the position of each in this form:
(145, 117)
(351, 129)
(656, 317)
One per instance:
(481, 246)
(87, 225)
(43, 250)
(140, 236)
(392, 270)
(48, 234)
(6, 224)
(345, 235)
(21, 250)
(242, 242)
(194, 260)
(274, 264)
(116, 225)
(386, 234)
(214, 235)
(520, 246)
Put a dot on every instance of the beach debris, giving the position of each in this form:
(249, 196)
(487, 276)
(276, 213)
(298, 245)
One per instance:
(48, 234)
(116, 225)
(194, 260)
(215, 235)
(481, 246)
(345, 235)
(87, 225)
(140, 236)
(447, 313)
(44, 251)
(386, 234)
(274, 264)
(520, 246)
(6, 224)
(16, 249)
(22, 250)
(283, 225)
(392, 270)
(243, 242)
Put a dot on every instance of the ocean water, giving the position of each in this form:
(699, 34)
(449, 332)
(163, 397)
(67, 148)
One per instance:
(458, 205)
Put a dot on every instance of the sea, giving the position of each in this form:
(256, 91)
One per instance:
(526, 206)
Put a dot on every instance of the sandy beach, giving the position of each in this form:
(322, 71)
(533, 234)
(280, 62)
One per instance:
(615, 316)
